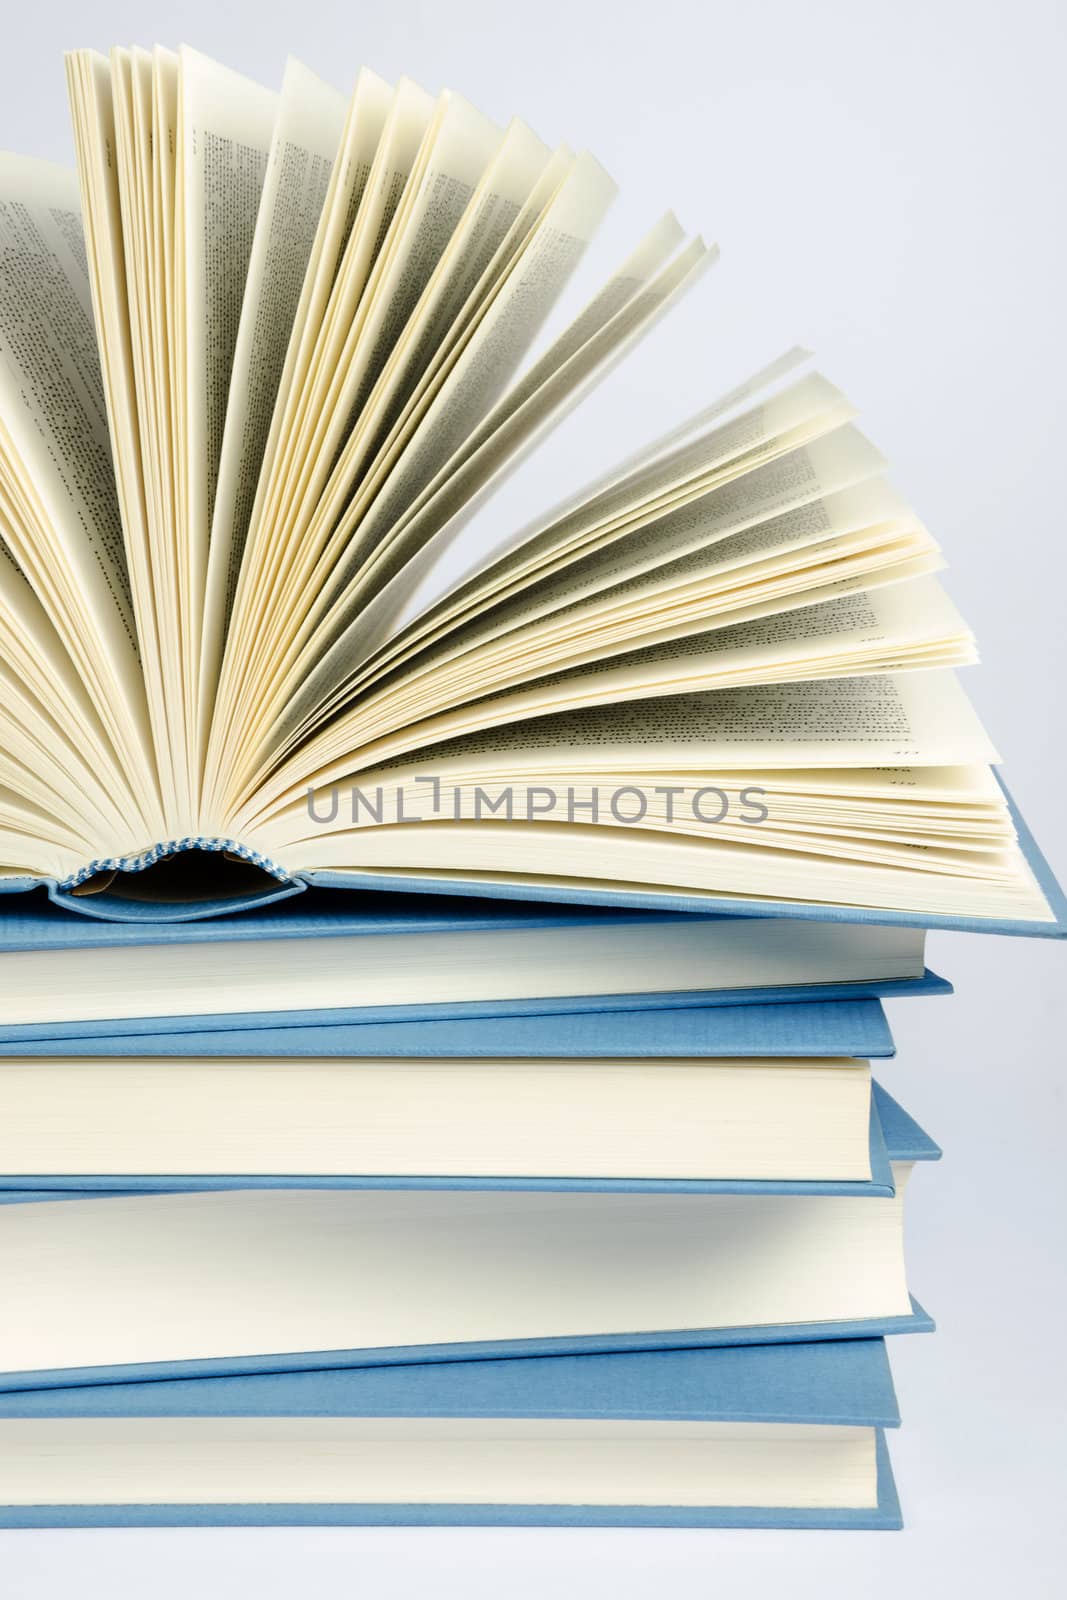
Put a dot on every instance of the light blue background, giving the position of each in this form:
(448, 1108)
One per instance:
(886, 182)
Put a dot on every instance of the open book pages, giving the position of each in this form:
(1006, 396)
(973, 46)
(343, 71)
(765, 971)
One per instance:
(261, 359)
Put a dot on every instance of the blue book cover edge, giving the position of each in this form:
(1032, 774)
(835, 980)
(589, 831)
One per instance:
(847, 1383)
(801, 1028)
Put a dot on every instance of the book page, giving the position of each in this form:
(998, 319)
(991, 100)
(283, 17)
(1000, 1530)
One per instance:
(538, 403)
(33, 650)
(810, 407)
(426, 612)
(500, 223)
(372, 525)
(23, 854)
(913, 720)
(838, 634)
(488, 364)
(621, 797)
(306, 137)
(496, 448)
(457, 152)
(737, 399)
(95, 142)
(510, 323)
(700, 591)
(792, 500)
(996, 885)
(41, 769)
(504, 210)
(397, 303)
(50, 388)
(871, 721)
(142, 91)
(66, 530)
(500, 220)
(317, 406)
(908, 625)
(167, 322)
(329, 268)
(659, 628)
(225, 126)
(832, 482)
(961, 804)
(365, 119)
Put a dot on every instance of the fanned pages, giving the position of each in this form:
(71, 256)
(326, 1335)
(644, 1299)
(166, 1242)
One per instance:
(231, 522)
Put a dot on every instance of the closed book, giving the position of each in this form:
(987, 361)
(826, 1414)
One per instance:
(784, 1436)
(246, 1279)
(666, 1134)
(335, 957)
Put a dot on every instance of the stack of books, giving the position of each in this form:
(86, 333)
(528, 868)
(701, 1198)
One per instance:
(438, 1008)
(515, 1253)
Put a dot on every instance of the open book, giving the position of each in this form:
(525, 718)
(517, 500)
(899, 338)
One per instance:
(229, 621)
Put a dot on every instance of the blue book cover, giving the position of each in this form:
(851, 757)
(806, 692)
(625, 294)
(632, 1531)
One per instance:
(801, 1028)
(844, 1384)
(894, 1136)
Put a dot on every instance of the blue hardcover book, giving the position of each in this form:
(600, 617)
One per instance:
(639, 1101)
(120, 1287)
(333, 958)
(893, 1138)
(786, 1436)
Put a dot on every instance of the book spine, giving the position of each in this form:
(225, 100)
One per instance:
(173, 847)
